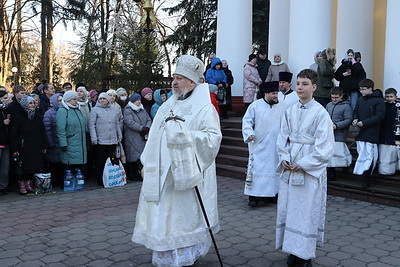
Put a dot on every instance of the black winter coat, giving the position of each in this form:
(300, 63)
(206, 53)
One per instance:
(3, 128)
(388, 125)
(370, 110)
(263, 68)
(350, 83)
(28, 137)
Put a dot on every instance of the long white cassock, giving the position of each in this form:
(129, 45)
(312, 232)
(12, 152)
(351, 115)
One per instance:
(169, 216)
(289, 98)
(306, 139)
(262, 121)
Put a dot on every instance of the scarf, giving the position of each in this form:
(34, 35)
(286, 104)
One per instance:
(25, 104)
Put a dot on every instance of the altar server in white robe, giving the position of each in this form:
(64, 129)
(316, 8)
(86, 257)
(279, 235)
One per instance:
(305, 145)
(286, 93)
(179, 155)
(260, 129)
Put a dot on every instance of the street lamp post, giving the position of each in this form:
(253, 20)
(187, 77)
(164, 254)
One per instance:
(14, 70)
(148, 23)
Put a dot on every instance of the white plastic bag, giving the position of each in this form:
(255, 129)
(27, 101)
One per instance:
(113, 175)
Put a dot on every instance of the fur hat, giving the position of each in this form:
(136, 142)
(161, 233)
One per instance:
(252, 56)
(121, 91)
(285, 76)
(212, 88)
(135, 97)
(68, 95)
(145, 91)
(269, 87)
(190, 67)
(104, 95)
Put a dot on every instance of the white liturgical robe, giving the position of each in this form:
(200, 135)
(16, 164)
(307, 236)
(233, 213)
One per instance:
(289, 98)
(263, 121)
(169, 216)
(306, 139)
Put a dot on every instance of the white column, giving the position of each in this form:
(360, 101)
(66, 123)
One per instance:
(355, 30)
(278, 40)
(310, 31)
(234, 37)
(392, 52)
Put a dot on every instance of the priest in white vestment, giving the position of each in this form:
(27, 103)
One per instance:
(305, 145)
(260, 129)
(286, 93)
(179, 155)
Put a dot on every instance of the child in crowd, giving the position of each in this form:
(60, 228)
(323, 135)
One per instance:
(388, 153)
(213, 95)
(368, 114)
(342, 115)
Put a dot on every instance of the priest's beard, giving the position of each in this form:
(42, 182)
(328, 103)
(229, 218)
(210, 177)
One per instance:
(180, 93)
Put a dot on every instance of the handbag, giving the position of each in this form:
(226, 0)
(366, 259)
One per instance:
(113, 174)
(120, 153)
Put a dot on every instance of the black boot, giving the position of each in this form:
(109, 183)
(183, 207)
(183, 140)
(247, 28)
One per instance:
(292, 260)
(367, 177)
(303, 263)
(253, 201)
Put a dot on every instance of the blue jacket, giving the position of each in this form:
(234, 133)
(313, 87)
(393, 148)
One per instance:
(50, 126)
(159, 102)
(215, 76)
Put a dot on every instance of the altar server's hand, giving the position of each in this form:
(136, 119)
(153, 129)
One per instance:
(295, 168)
(355, 122)
(251, 138)
(286, 165)
(360, 124)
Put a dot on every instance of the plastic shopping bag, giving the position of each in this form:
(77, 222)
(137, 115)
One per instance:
(42, 183)
(113, 174)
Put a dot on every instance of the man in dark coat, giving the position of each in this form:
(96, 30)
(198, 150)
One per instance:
(48, 91)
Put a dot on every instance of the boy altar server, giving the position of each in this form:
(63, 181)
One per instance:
(305, 145)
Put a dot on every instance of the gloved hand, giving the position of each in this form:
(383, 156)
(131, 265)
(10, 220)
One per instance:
(64, 148)
(145, 130)
(94, 142)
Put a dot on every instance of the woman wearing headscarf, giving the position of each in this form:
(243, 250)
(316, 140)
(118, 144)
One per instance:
(113, 103)
(71, 132)
(277, 66)
(122, 97)
(28, 143)
(105, 132)
(83, 102)
(136, 127)
(53, 146)
(147, 99)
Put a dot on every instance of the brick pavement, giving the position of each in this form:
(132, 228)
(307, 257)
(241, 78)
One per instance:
(93, 228)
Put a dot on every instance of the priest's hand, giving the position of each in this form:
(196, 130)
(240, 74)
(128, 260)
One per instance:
(355, 122)
(360, 124)
(251, 138)
(286, 165)
(295, 168)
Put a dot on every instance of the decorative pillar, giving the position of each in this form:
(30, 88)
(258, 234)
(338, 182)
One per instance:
(355, 30)
(234, 37)
(310, 31)
(392, 55)
(278, 40)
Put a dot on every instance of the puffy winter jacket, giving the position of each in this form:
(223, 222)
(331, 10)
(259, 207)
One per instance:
(50, 125)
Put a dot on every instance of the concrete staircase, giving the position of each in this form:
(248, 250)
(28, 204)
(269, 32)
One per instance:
(232, 163)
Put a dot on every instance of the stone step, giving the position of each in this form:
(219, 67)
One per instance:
(232, 160)
(231, 171)
(232, 132)
(234, 150)
(233, 141)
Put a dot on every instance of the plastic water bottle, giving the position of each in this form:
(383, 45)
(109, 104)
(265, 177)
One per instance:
(80, 180)
(69, 181)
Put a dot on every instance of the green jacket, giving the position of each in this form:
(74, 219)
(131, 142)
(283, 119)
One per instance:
(326, 72)
(71, 133)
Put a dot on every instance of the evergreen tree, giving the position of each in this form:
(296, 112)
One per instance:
(196, 31)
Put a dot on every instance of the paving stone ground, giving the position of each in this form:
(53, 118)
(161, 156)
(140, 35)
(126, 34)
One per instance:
(94, 227)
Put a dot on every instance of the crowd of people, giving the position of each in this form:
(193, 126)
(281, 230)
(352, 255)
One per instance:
(296, 139)
(50, 131)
